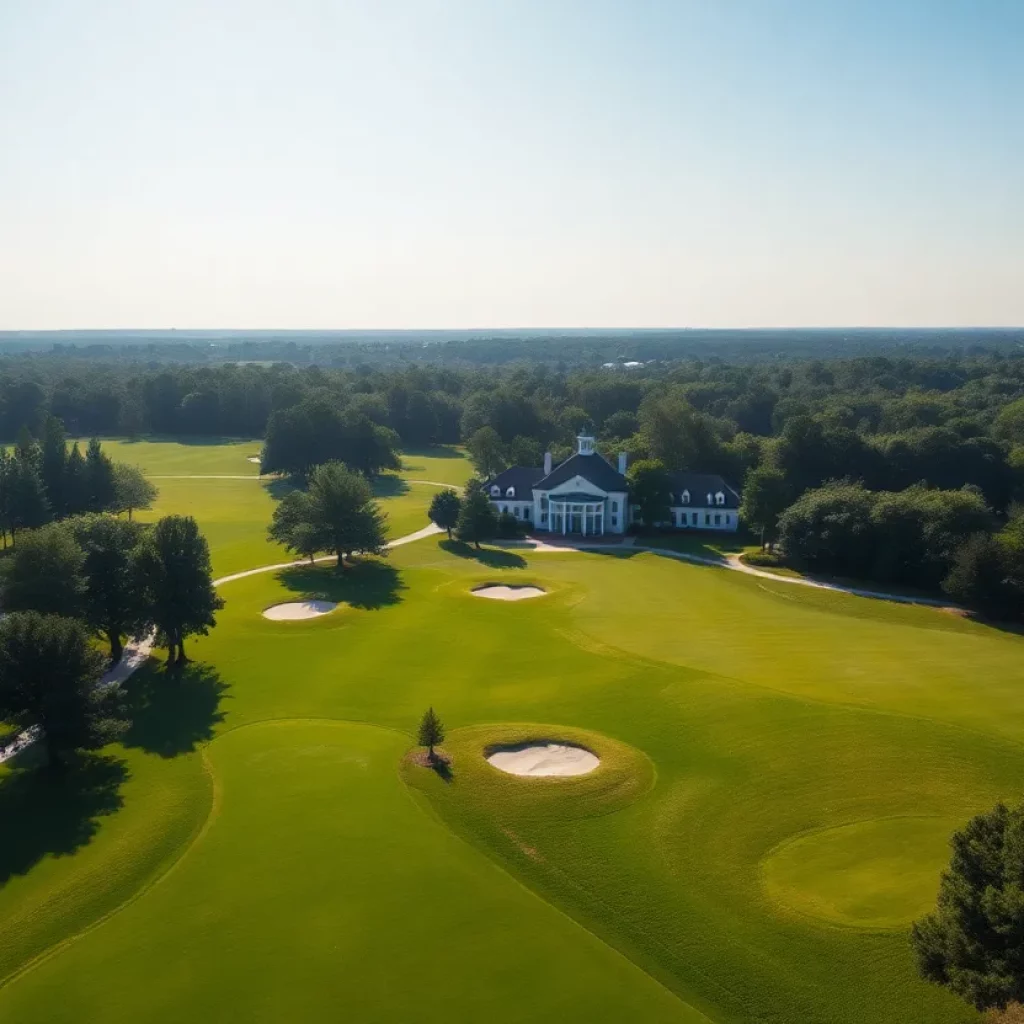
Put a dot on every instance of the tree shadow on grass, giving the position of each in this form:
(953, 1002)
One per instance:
(389, 486)
(431, 452)
(369, 583)
(171, 712)
(493, 558)
(49, 812)
(278, 486)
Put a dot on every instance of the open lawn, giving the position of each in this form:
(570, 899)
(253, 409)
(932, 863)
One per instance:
(780, 771)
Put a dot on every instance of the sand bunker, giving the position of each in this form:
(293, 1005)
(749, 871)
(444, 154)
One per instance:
(503, 593)
(254, 458)
(543, 759)
(292, 610)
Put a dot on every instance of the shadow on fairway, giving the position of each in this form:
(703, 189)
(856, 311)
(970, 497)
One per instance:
(493, 558)
(277, 487)
(171, 713)
(431, 452)
(368, 584)
(389, 486)
(54, 813)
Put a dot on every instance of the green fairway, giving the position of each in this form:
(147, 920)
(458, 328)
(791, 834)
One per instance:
(781, 768)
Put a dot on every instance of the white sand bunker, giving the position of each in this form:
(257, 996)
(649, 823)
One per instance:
(254, 458)
(292, 610)
(501, 592)
(543, 759)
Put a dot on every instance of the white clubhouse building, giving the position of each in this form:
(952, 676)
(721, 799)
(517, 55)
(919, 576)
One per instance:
(588, 496)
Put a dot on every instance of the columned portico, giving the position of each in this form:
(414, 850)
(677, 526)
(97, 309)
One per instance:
(574, 516)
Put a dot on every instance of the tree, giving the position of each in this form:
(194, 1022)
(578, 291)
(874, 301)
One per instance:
(973, 943)
(337, 514)
(44, 573)
(766, 495)
(53, 464)
(477, 520)
(49, 673)
(76, 497)
(431, 732)
(988, 574)
(444, 510)
(99, 478)
(649, 490)
(131, 489)
(113, 601)
(172, 570)
(487, 452)
(830, 529)
(27, 506)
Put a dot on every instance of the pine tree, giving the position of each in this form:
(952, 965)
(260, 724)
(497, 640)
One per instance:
(431, 732)
(53, 465)
(76, 500)
(99, 478)
(477, 520)
(26, 495)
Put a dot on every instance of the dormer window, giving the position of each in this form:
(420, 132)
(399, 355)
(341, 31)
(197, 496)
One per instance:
(510, 492)
(495, 491)
(685, 497)
(719, 498)
(711, 498)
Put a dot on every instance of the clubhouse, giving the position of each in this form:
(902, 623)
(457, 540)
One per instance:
(588, 496)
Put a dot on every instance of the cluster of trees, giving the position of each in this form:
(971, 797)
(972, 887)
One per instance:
(471, 516)
(47, 480)
(67, 583)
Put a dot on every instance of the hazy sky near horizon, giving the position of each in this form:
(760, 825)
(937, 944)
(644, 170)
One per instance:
(537, 163)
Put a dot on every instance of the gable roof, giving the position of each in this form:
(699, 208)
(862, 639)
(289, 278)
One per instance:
(700, 485)
(522, 478)
(595, 469)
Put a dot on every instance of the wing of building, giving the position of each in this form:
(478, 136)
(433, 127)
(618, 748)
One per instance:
(589, 496)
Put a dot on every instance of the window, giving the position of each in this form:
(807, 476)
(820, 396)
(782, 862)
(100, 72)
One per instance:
(527, 512)
(686, 497)
(615, 506)
(510, 492)
(707, 518)
(693, 518)
(544, 502)
(615, 520)
(719, 498)
(495, 491)
(710, 500)
(728, 519)
(718, 519)
(543, 517)
(515, 511)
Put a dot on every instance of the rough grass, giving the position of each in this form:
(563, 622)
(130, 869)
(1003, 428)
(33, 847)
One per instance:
(780, 771)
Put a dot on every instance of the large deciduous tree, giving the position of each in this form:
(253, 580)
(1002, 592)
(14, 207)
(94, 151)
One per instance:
(44, 573)
(973, 943)
(477, 519)
(132, 491)
(487, 452)
(649, 490)
(49, 671)
(114, 598)
(444, 510)
(337, 514)
(766, 495)
(172, 564)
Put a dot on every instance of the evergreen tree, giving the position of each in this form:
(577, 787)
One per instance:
(649, 490)
(26, 494)
(76, 488)
(766, 495)
(49, 671)
(5, 494)
(131, 489)
(973, 943)
(44, 573)
(99, 478)
(444, 510)
(172, 566)
(431, 731)
(477, 520)
(113, 601)
(53, 465)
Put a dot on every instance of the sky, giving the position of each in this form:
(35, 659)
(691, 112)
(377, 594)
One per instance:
(536, 163)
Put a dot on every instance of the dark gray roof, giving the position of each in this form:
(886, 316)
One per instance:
(522, 478)
(700, 485)
(593, 468)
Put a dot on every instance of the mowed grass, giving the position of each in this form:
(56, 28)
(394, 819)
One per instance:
(780, 773)
(234, 514)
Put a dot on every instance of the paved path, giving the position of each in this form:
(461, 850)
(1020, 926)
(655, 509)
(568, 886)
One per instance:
(137, 652)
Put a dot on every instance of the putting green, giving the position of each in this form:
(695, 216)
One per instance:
(868, 874)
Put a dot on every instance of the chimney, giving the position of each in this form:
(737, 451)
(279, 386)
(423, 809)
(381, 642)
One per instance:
(623, 459)
(547, 463)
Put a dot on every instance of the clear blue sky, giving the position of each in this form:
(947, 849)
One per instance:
(396, 163)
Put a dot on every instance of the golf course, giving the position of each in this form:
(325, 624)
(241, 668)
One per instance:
(780, 769)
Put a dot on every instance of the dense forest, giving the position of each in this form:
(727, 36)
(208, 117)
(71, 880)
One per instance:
(820, 447)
